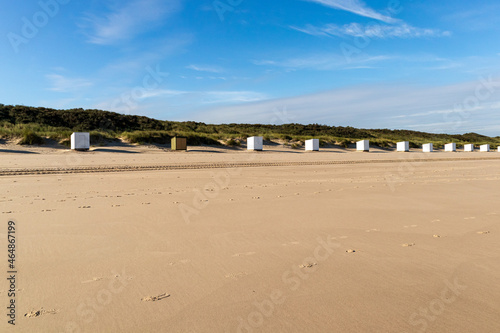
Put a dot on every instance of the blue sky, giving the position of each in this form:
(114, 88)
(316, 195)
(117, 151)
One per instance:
(422, 65)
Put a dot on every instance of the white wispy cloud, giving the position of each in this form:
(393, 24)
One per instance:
(356, 7)
(204, 68)
(224, 97)
(388, 28)
(162, 92)
(132, 18)
(380, 31)
(440, 109)
(60, 83)
(160, 99)
(324, 62)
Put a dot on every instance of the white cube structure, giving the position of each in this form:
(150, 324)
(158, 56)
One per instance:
(428, 148)
(80, 141)
(485, 148)
(403, 146)
(499, 149)
(255, 143)
(450, 147)
(312, 145)
(469, 147)
(363, 145)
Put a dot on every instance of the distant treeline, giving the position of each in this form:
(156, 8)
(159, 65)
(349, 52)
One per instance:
(50, 122)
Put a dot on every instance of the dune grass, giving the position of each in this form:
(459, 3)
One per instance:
(30, 125)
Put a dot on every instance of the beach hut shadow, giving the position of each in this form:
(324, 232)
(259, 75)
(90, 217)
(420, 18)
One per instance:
(111, 150)
(15, 151)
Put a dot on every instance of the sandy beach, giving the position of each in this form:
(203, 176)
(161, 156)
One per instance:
(375, 242)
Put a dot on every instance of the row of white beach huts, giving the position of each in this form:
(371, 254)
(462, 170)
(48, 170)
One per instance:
(81, 141)
(256, 143)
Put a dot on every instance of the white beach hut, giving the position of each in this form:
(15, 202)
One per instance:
(428, 148)
(403, 146)
(312, 145)
(499, 149)
(485, 148)
(469, 147)
(363, 145)
(255, 143)
(80, 141)
(450, 147)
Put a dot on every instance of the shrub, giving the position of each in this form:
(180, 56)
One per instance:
(345, 143)
(414, 145)
(196, 140)
(31, 138)
(159, 137)
(232, 142)
(65, 142)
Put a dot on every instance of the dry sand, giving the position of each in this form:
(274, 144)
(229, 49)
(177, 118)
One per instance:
(409, 244)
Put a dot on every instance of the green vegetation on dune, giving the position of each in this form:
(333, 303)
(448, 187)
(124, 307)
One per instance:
(32, 125)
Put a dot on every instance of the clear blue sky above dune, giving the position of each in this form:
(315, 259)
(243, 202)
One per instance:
(423, 65)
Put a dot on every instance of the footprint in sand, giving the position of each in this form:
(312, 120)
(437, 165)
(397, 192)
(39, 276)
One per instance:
(436, 221)
(243, 254)
(236, 276)
(291, 243)
(38, 313)
(183, 261)
(483, 232)
(155, 298)
(350, 251)
(436, 236)
(408, 244)
(7, 291)
(308, 265)
(93, 280)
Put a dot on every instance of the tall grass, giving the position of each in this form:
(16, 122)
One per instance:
(33, 133)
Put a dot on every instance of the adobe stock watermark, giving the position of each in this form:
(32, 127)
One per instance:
(211, 190)
(483, 91)
(221, 180)
(31, 26)
(421, 319)
(282, 116)
(358, 43)
(88, 310)
(129, 100)
(405, 170)
(223, 6)
(292, 280)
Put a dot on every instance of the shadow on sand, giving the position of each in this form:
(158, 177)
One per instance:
(107, 150)
(17, 151)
